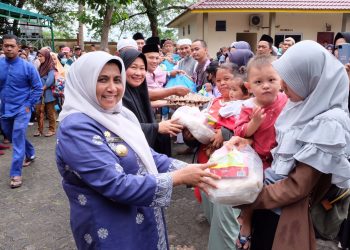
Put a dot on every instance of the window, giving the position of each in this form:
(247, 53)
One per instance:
(220, 26)
(188, 29)
(183, 31)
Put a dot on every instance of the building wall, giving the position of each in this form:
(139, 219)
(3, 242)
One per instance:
(192, 27)
(307, 25)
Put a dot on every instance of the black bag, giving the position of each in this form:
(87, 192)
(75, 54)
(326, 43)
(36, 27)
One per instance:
(344, 234)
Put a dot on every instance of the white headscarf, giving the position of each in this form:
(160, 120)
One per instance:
(315, 131)
(80, 97)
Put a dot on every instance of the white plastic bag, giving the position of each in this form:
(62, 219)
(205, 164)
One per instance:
(240, 183)
(196, 122)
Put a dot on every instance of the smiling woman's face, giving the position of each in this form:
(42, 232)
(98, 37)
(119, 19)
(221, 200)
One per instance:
(136, 73)
(109, 87)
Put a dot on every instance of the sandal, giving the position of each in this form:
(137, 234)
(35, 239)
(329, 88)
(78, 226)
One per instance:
(37, 134)
(243, 240)
(50, 133)
(16, 181)
(28, 161)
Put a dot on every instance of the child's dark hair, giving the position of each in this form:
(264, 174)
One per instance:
(231, 67)
(243, 78)
(236, 72)
(212, 67)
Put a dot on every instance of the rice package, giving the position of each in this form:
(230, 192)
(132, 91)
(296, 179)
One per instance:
(196, 122)
(241, 174)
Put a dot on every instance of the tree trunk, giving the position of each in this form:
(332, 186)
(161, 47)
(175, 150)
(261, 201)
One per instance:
(152, 14)
(15, 28)
(81, 29)
(106, 26)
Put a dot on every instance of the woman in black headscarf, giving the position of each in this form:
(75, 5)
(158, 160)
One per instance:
(136, 99)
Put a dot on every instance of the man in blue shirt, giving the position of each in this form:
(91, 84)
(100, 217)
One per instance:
(20, 90)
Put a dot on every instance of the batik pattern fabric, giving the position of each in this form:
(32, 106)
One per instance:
(115, 203)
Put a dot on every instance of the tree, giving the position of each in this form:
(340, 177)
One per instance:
(5, 25)
(132, 16)
(108, 9)
(155, 9)
(63, 13)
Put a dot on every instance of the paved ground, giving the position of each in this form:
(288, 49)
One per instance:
(36, 216)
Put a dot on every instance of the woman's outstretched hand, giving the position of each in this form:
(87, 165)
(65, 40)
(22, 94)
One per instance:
(171, 127)
(195, 175)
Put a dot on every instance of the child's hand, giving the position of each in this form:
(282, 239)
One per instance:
(237, 142)
(217, 139)
(258, 115)
(209, 149)
(208, 87)
(347, 68)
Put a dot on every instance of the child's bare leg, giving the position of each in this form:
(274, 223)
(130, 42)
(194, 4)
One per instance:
(245, 219)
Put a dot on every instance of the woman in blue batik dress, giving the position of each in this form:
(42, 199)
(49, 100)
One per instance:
(116, 184)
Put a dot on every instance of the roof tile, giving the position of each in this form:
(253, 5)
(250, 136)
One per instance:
(272, 4)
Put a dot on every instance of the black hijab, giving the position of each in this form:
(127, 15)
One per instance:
(136, 98)
(345, 35)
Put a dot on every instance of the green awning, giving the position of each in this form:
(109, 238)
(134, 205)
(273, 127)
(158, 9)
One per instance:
(24, 16)
(27, 18)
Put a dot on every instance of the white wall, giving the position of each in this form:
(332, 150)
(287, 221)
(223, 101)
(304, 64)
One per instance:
(196, 27)
(307, 25)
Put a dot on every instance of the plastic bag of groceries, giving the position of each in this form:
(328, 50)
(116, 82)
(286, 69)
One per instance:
(196, 122)
(241, 174)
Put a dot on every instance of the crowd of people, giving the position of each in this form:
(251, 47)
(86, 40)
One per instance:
(291, 104)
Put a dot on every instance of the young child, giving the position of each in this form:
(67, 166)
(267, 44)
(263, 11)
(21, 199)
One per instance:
(225, 81)
(258, 114)
(238, 94)
(238, 91)
(224, 227)
(311, 153)
(209, 88)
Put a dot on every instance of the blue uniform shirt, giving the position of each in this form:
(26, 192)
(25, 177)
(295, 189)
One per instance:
(20, 86)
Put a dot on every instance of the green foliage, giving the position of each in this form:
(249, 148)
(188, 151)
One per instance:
(166, 11)
(93, 15)
(62, 12)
